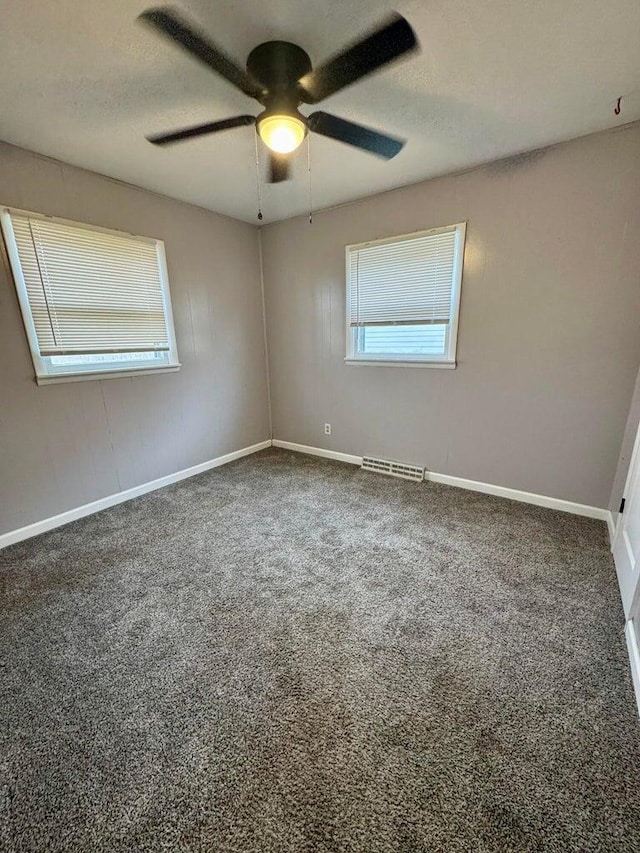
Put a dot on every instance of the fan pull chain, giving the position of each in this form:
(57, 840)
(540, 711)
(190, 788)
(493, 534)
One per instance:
(255, 137)
(309, 176)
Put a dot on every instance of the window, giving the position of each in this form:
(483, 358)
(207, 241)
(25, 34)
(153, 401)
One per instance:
(403, 296)
(95, 303)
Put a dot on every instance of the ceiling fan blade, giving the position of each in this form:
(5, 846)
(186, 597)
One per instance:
(383, 45)
(200, 130)
(355, 134)
(176, 28)
(278, 169)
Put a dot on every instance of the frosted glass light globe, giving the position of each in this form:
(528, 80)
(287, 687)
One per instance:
(281, 133)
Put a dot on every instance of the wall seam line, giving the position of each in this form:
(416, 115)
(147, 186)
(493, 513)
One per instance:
(264, 330)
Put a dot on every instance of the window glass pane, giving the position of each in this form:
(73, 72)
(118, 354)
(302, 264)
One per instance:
(428, 340)
(101, 358)
(105, 361)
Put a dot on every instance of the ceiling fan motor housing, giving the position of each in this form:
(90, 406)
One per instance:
(278, 65)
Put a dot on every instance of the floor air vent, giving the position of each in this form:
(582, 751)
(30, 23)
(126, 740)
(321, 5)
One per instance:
(393, 469)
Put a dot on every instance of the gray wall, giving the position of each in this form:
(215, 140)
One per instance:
(548, 345)
(62, 446)
(548, 348)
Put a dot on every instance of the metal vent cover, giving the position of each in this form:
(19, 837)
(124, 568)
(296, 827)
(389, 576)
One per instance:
(393, 469)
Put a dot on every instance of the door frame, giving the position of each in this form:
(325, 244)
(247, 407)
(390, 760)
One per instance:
(634, 610)
(633, 641)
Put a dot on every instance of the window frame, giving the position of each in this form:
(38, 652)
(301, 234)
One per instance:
(448, 359)
(43, 374)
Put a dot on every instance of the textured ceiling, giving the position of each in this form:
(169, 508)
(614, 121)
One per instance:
(84, 82)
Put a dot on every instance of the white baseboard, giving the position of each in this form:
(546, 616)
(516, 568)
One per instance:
(612, 521)
(517, 495)
(472, 485)
(318, 451)
(111, 500)
(634, 658)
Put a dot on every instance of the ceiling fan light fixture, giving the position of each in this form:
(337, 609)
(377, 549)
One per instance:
(282, 133)
(279, 75)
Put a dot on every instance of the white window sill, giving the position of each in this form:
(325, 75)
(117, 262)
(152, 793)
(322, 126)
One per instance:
(396, 362)
(55, 379)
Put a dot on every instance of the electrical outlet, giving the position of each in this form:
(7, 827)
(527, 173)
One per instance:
(327, 429)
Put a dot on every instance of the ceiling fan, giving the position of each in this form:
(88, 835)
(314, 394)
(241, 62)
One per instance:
(280, 76)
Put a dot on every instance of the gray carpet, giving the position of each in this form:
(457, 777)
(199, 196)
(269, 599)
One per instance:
(287, 654)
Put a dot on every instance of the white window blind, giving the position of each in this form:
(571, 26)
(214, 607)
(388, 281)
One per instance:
(408, 281)
(90, 291)
(403, 297)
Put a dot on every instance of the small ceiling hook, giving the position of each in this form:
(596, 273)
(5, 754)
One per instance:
(618, 108)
